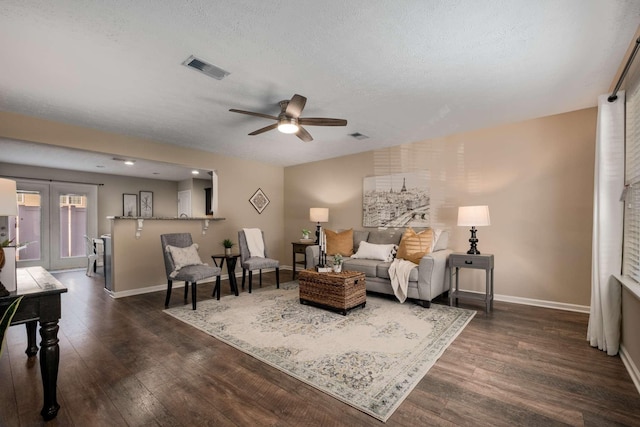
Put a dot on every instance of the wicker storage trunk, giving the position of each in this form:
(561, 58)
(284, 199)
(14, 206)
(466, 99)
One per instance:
(335, 291)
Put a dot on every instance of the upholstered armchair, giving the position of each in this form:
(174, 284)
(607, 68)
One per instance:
(182, 262)
(251, 261)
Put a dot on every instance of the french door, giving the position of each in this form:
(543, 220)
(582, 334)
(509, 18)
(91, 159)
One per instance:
(52, 220)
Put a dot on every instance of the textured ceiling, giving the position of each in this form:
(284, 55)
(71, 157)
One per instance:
(398, 71)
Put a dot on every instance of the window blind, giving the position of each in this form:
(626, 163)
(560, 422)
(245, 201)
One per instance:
(631, 252)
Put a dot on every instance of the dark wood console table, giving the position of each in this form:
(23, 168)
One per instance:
(40, 303)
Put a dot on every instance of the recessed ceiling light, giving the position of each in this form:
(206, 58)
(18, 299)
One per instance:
(125, 161)
(195, 172)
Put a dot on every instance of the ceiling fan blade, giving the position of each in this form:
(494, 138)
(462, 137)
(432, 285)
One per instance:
(304, 135)
(321, 121)
(264, 129)
(251, 113)
(295, 106)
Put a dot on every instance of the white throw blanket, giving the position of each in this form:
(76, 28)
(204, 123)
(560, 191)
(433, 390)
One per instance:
(399, 271)
(254, 241)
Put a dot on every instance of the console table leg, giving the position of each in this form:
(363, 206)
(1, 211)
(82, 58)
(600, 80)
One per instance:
(32, 347)
(49, 360)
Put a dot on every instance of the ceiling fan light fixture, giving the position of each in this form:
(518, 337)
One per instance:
(288, 125)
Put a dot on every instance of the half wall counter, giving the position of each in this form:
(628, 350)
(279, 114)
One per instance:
(136, 258)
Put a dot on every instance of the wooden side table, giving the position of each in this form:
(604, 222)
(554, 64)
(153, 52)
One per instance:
(231, 269)
(299, 248)
(462, 260)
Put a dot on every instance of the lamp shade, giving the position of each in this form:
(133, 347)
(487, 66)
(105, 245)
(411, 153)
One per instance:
(319, 214)
(473, 216)
(8, 202)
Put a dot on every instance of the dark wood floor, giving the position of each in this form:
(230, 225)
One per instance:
(125, 363)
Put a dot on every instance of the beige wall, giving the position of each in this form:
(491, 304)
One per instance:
(238, 179)
(536, 176)
(110, 189)
(132, 271)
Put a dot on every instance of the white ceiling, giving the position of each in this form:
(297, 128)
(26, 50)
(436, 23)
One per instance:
(398, 71)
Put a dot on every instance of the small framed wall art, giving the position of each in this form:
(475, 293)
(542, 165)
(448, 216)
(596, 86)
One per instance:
(146, 204)
(129, 205)
(259, 200)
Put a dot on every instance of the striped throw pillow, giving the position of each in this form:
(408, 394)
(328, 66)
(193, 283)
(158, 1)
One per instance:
(414, 246)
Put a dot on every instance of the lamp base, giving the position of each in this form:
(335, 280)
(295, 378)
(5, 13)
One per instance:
(318, 233)
(473, 250)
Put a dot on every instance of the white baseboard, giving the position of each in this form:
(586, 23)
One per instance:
(538, 303)
(542, 303)
(631, 367)
(505, 298)
(176, 285)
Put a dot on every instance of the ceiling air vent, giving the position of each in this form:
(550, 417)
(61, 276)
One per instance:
(358, 135)
(206, 68)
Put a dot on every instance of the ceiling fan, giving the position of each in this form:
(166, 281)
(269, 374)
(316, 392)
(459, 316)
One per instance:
(289, 120)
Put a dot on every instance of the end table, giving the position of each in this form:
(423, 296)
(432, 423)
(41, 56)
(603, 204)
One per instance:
(231, 269)
(299, 248)
(481, 261)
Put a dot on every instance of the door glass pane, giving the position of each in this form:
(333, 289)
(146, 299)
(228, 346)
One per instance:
(73, 225)
(25, 228)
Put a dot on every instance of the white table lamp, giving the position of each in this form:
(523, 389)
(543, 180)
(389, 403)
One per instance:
(318, 215)
(473, 216)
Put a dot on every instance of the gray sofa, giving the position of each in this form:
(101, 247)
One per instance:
(426, 281)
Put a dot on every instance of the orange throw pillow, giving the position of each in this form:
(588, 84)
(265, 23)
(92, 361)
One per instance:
(339, 243)
(414, 246)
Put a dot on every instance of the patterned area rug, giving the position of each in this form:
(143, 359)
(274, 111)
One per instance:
(370, 359)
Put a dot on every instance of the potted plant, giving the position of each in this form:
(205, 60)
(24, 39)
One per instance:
(228, 244)
(337, 263)
(306, 234)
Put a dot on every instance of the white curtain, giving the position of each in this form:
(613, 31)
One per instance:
(604, 319)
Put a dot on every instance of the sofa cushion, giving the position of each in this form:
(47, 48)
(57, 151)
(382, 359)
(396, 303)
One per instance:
(339, 242)
(359, 236)
(415, 245)
(388, 236)
(377, 252)
(366, 266)
(442, 241)
(382, 271)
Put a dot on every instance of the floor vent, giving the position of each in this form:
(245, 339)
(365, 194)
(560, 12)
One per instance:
(206, 68)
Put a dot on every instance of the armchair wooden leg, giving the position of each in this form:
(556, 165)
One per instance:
(250, 279)
(193, 295)
(244, 273)
(260, 277)
(186, 291)
(278, 277)
(166, 300)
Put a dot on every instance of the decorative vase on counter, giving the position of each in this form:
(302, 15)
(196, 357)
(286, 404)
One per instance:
(227, 251)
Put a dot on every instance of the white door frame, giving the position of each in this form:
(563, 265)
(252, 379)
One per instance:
(50, 221)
